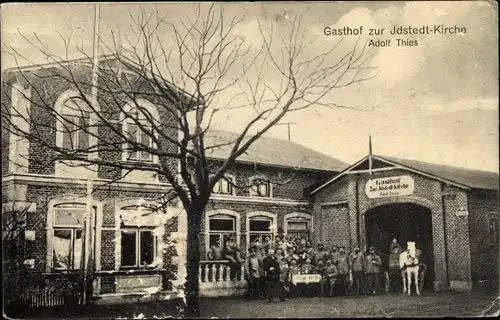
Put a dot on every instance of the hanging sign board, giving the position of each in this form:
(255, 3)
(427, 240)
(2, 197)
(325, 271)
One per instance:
(390, 187)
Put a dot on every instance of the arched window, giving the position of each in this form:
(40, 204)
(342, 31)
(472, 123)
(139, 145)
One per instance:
(65, 241)
(138, 241)
(298, 225)
(67, 237)
(75, 129)
(141, 230)
(225, 185)
(260, 186)
(137, 120)
(220, 225)
(261, 225)
(75, 124)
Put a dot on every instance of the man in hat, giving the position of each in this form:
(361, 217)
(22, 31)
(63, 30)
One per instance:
(395, 247)
(320, 255)
(215, 252)
(373, 267)
(329, 278)
(253, 274)
(343, 268)
(272, 268)
(334, 254)
(357, 260)
(231, 253)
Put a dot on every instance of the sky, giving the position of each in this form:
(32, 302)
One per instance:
(434, 102)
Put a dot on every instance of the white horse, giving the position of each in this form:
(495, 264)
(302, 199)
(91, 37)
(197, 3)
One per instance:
(408, 264)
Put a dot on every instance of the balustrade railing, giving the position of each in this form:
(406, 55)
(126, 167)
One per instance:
(220, 270)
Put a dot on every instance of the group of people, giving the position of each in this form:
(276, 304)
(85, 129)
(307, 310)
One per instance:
(271, 264)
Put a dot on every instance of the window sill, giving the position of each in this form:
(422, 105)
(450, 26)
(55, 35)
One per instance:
(77, 157)
(137, 164)
(125, 272)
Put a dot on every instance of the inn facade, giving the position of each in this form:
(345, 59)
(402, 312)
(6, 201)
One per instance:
(277, 188)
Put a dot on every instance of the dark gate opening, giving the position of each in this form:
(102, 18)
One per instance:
(405, 222)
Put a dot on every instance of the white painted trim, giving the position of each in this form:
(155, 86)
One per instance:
(98, 205)
(44, 179)
(374, 170)
(158, 231)
(59, 107)
(10, 206)
(340, 174)
(396, 167)
(292, 215)
(43, 66)
(423, 173)
(272, 216)
(20, 102)
(227, 212)
(334, 203)
(153, 111)
(232, 178)
(258, 200)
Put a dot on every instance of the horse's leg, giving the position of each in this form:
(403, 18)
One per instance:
(408, 284)
(415, 274)
(403, 278)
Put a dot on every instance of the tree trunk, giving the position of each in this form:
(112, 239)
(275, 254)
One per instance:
(192, 287)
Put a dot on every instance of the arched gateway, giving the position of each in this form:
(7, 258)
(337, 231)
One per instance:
(405, 222)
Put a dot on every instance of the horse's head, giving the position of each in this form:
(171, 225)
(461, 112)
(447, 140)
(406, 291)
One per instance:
(412, 251)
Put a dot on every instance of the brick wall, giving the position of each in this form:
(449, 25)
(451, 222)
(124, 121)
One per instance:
(286, 183)
(6, 103)
(328, 215)
(457, 235)
(44, 95)
(483, 205)
(243, 209)
(41, 194)
(450, 234)
(336, 226)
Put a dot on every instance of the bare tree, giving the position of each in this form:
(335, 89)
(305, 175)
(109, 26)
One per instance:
(201, 70)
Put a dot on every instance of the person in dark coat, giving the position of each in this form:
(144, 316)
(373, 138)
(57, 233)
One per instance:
(272, 268)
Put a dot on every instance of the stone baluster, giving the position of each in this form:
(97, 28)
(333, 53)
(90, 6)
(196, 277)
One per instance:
(207, 271)
(221, 272)
(213, 277)
(228, 273)
(242, 273)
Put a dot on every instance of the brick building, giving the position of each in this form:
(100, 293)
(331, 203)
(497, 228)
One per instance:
(451, 213)
(277, 187)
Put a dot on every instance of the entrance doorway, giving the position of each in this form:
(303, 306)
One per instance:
(404, 222)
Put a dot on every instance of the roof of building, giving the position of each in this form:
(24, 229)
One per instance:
(462, 177)
(470, 177)
(106, 62)
(272, 151)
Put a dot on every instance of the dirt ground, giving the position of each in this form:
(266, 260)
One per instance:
(385, 305)
(429, 304)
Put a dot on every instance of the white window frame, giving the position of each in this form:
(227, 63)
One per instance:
(138, 230)
(96, 239)
(302, 216)
(121, 208)
(126, 122)
(253, 193)
(60, 106)
(231, 183)
(222, 212)
(261, 214)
